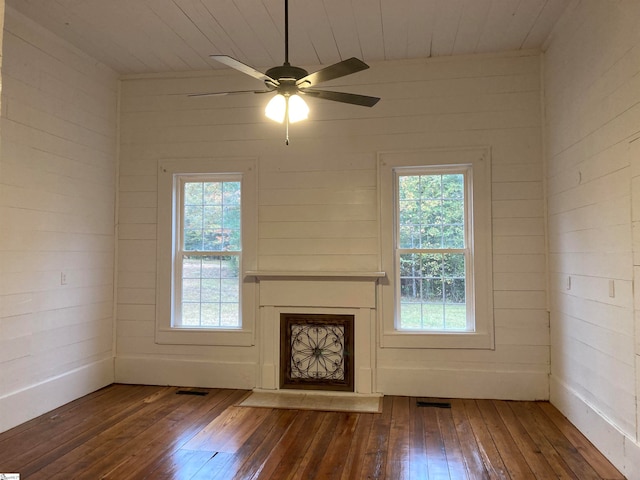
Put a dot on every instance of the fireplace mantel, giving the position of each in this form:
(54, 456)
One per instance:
(302, 275)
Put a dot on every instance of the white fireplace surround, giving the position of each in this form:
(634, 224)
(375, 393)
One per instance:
(342, 293)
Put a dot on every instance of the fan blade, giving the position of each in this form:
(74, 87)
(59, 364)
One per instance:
(220, 94)
(241, 67)
(352, 98)
(337, 70)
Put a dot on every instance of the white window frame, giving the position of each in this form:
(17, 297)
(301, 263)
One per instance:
(170, 175)
(479, 286)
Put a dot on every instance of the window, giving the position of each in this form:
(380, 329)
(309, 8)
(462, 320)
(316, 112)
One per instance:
(432, 254)
(436, 238)
(209, 252)
(206, 240)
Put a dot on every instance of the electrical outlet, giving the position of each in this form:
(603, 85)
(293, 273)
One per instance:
(63, 278)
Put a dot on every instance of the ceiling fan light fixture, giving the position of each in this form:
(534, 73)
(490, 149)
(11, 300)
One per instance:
(298, 109)
(291, 106)
(276, 108)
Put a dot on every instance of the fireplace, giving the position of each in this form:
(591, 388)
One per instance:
(316, 351)
(302, 298)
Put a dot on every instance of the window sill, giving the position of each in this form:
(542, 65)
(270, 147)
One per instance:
(262, 274)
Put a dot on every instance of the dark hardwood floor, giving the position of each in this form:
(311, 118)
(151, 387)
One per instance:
(136, 432)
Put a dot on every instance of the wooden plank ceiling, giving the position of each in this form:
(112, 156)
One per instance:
(143, 36)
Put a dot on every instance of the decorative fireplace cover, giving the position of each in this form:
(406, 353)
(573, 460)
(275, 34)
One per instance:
(316, 351)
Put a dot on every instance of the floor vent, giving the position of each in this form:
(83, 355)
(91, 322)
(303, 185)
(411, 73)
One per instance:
(425, 402)
(200, 393)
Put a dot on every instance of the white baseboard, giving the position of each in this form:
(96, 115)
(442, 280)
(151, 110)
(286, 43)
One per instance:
(185, 373)
(463, 384)
(621, 450)
(33, 401)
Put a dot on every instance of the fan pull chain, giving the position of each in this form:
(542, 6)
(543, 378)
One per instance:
(286, 140)
(286, 121)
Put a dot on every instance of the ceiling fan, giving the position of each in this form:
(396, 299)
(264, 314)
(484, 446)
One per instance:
(291, 83)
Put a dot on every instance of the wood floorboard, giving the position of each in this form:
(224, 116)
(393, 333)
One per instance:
(452, 446)
(534, 457)
(262, 448)
(398, 449)
(513, 460)
(491, 457)
(357, 448)
(331, 463)
(374, 461)
(471, 452)
(542, 444)
(418, 459)
(437, 465)
(145, 432)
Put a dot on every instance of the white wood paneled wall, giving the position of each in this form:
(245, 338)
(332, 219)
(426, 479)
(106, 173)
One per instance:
(57, 183)
(592, 79)
(318, 206)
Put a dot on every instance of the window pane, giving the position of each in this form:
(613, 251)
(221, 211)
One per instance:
(193, 217)
(453, 186)
(229, 313)
(210, 291)
(231, 193)
(455, 317)
(231, 223)
(454, 291)
(410, 236)
(190, 315)
(191, 267)
(190, 290)
(453, 265)
(411, 314)
(431, 265)
(432, 290)
(430, 186)
(210, 314)
(213, 193)
(433, 316)
(409, 187)
(193, 193)
(212, 217)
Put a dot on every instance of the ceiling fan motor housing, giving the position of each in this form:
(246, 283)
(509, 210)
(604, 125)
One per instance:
(287, 76)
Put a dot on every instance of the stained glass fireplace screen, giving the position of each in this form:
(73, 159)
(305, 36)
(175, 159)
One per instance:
(316, 351)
